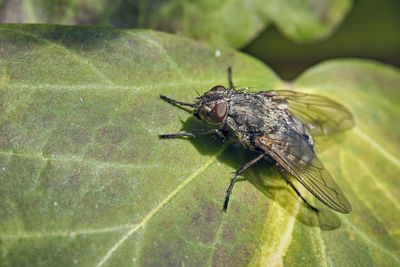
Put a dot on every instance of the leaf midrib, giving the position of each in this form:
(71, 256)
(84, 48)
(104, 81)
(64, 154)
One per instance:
(149, 215)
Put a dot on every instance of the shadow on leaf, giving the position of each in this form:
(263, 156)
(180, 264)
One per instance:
(263, 175)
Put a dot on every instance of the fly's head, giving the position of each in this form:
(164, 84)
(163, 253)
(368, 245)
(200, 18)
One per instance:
(212, 106)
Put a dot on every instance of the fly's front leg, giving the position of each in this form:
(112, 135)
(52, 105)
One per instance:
(173, 101)
(193, 134)
(283, 174)
(237, 173)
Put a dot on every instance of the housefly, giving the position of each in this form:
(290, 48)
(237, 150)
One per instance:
(278, 125)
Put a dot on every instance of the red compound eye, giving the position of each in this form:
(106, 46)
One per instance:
(218, 88)
(218, 112)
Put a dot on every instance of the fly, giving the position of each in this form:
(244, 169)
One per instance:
(278, 125)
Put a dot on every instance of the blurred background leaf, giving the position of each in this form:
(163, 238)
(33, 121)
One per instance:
(227, 23)
(370, 31)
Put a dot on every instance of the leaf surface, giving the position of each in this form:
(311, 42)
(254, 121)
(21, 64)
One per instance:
(86, 181)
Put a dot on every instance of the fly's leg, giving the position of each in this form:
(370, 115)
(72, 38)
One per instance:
(230, 78)
(283, 174)
(170, 100)
(193, 134)
(237, 173)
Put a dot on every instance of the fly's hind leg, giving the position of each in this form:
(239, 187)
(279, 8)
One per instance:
(282, 171)
(237, 173)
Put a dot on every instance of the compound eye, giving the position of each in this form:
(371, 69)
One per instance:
(218, 112)
(218, 88)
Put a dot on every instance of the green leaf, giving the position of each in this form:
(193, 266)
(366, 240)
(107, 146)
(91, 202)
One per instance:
(307, 21)
(226, 23)
(86, 181)
(54, 11)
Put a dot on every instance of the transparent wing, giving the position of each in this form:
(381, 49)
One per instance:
(306, 168)
(321, 115)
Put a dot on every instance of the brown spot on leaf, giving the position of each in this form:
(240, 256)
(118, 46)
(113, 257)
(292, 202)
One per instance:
(204, 223)
(110, 134)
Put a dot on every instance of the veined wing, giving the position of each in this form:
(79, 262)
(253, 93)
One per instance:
(306, 168)
(320, 114)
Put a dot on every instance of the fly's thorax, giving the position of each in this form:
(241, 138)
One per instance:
(254, 113)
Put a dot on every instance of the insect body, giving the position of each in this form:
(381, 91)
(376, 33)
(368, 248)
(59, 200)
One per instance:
(278, 125)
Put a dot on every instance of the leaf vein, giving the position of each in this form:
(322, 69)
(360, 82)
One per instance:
(321, 247)
(148, 217)
(216, 241)
(355, 189)
(368, 240)
(385, 153)
(134, 89)
(74, 55)
(66, 233)
(98, 164)
(275, 245)
(379, 185)
(365, 200)
(170, 60)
